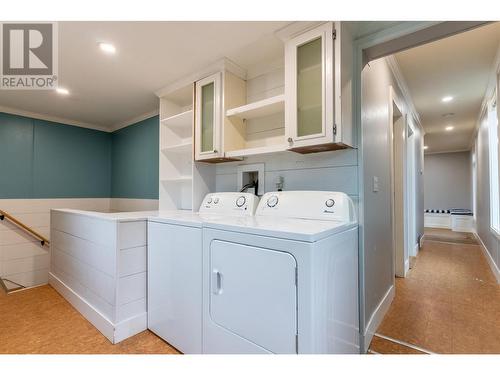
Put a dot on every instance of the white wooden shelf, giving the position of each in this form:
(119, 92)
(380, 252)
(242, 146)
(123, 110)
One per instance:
(181, 120)
(258, 109)
(180, 179)
(184, 147)
(257, 150)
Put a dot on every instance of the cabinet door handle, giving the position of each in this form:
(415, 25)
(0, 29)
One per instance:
(216, 282)
(290, 140)
(215, 151)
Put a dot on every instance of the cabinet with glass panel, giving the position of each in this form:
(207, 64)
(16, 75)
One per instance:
(318, 95)
(213, 129)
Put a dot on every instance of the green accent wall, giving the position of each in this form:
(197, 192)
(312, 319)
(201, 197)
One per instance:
(70, 161)
(42, 159)
(134, 159)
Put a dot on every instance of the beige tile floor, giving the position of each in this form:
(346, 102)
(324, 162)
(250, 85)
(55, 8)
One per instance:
(40, 321)
(449, 303)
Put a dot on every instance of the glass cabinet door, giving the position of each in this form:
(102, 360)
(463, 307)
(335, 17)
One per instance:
(207, 117)
(309, 88)
(309, 91)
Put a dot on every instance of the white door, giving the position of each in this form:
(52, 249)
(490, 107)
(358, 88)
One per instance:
(175, 285)
(309, 89)
(208, 117)
(253, 294)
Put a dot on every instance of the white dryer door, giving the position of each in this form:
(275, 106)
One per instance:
(253, 294)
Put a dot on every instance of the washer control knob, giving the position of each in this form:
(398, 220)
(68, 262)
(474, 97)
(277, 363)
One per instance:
(329, 202)
(241, 201)
(209, 200)
(272, 201)
(216, 200)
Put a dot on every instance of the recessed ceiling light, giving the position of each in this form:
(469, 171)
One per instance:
(426, 147)
(108, 48)
(447, 99)
(449, 114)
(448, 128)
(62, 91)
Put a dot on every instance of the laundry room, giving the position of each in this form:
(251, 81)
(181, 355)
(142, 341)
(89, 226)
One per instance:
(209, 186)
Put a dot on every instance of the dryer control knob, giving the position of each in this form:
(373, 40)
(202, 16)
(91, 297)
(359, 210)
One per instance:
(216, 200)
(272, 201)
(241, 201)
(329, 202)
(209, 200)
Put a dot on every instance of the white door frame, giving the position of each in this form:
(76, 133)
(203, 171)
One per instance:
(411, 195)
(398, 135)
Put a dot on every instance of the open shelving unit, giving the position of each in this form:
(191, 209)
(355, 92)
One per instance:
(179, 121)
(261, 108)
(183, 183)
(263, 116)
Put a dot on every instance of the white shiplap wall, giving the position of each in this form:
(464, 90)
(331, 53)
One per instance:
(329, 171)
(22, 259)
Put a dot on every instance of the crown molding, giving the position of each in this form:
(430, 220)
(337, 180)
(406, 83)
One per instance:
(218, 66)
(398, 75)
(133, 120)
(60, 120)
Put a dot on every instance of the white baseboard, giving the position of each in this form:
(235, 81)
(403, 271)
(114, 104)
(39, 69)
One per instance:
(131, 327)
(378, 316)
(113, 332)
(416, 249)
(491, 262)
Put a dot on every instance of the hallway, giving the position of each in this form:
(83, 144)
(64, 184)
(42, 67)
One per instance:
(449, 303)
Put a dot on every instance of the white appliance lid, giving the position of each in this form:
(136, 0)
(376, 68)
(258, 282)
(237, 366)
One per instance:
(306, 230)
(178, 217)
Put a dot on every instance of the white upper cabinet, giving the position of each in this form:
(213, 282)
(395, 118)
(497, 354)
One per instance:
(215, 133)
(318, 92)
(208, 127)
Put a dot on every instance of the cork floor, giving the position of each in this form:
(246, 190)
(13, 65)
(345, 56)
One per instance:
(40, 321)
(449, 303)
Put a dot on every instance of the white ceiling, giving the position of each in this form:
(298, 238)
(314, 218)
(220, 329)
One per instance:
(109, 90)
(458, 66)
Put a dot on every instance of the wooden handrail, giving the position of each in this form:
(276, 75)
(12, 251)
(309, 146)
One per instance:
(5, 215)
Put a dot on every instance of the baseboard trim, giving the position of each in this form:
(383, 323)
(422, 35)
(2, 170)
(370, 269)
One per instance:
(491, 262)
(113, 332)
(378, 316)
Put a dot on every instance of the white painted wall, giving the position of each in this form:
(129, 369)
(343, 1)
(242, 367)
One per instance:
(448, 181)
(482, 214)
(22, 259)
(130, 205)
(377, 288)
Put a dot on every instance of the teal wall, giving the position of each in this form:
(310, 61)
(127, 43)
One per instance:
(41, 159)
(135, 160)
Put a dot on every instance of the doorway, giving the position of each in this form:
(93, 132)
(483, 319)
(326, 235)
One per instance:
(442, 302)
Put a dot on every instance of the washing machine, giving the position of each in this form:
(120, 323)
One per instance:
(285, 280)
(175, 268)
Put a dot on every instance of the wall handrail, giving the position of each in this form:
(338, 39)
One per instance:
(12, 219)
